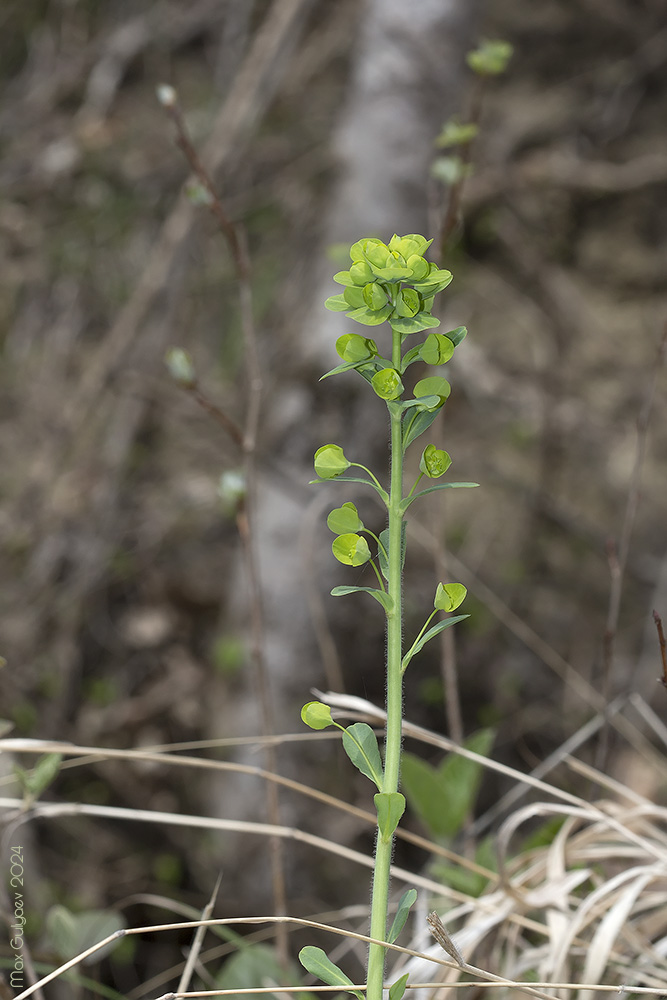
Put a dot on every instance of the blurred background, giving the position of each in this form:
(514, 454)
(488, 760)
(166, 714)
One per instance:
(124, 618)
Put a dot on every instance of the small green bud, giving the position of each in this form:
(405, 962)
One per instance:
(330, 461)
(375, 296)
(449, 596)
(437, 349)
(316, 715)
(434, 462)
(352, 347)
(455, 134)
(408, 303)
(232, 489)
(450, 169)
(180, 366)
(166, 95)
(387, 383)
(491, 58)
(409, 245)
(351, 549)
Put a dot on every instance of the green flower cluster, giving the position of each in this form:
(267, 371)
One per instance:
(390, 282)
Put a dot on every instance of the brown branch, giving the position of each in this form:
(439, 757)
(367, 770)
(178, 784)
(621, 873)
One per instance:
(663, 647)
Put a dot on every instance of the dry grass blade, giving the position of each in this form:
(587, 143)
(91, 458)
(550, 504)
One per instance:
(198, 941)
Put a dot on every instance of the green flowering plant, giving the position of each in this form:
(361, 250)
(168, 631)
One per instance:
(394, 283)
(391, 282)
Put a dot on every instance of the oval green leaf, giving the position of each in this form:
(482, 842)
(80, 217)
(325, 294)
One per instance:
(330, 461)
(316, 962)
(361, 746)
(390, 807)
(344, 519)
(433, 386)
(316, 715)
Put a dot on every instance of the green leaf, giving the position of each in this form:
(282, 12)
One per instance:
(257, 965)
(336, 303)
(353, 347)
(449, 596)
(416, 425)
(414, 324)
(354, 296)
(449, 170)
(370, 317)
(470, 883)
(443, 796)
(330, 461)
(361, 746)
(414, 354)
(457, 335)
(437, 349)
(361, 273)
(316, 962)
(71, 933)
(390, 807)
(433, 489)
(436, 281)
(490, 58)
(408, 245)
(344, 278)
(454, 133)
(351, 549)
(344, 519)
(397, 989)
(387, 383)
(434, 462)
(37, 780)
(349, 366)
(380, 595)
(316, 715)
(405, 903)
(431, 634)
(357, 479)
(433, 386)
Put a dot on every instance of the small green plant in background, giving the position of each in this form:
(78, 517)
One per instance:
(392, 283)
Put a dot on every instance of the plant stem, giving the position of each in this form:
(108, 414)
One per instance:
(384, 848)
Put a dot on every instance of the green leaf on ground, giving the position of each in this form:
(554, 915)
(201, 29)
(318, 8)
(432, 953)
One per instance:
(443, 796)
(316, 962)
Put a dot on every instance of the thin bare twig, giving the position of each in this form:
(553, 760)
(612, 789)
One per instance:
(246, 507)
(198, 940)
(663, 647)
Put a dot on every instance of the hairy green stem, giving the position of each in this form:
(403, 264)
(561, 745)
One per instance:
(384, 848)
